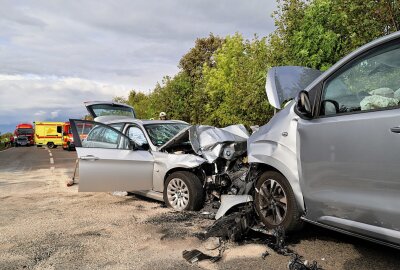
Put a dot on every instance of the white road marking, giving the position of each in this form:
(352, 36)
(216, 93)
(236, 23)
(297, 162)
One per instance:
(51, 161)
(50, 154)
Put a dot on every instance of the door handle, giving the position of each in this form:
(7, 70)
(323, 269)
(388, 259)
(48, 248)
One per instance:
(89, 157)
(395, 129)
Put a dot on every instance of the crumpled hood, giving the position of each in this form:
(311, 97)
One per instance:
(211, 142)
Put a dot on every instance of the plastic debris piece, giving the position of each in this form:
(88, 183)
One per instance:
(234, 226)
(196, 255)
(208, 215)
(120, 193)
(297, 263)
(264, 255)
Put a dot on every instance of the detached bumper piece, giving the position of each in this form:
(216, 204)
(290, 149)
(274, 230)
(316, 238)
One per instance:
(196, 255)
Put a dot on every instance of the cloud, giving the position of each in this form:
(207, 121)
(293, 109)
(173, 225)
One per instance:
(59, 53)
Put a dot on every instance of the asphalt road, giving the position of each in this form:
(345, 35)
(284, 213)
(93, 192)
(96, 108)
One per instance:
(35, 158)
(45, 225)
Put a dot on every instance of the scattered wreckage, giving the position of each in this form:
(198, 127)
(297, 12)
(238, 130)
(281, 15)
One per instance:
(237, 227)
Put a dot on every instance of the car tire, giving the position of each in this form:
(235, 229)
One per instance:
(50, 145)
(183, 191)
(281, 208)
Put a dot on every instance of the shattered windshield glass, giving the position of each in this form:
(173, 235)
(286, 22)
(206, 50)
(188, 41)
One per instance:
(161, 133)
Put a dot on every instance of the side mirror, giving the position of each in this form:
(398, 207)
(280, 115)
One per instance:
(329, 107)
(303, 105)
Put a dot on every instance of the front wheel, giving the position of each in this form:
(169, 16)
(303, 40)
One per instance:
(183, 191)
(275, 202)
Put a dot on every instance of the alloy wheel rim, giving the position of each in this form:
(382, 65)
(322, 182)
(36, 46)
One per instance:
(178, 194)
(273, 202)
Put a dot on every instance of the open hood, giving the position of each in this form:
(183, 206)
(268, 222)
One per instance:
(105, 110)
(211, 142)
(284, 83)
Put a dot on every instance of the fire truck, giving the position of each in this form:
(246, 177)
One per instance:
(24, 135)
(68, 139)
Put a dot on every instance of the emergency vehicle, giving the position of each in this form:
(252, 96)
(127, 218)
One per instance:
(68, 139)
(49, 133)
(24, 131)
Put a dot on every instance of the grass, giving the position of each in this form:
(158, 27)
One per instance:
(3, 146)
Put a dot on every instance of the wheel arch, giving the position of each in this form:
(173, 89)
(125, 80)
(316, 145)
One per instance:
(197, 171)
(275, 165)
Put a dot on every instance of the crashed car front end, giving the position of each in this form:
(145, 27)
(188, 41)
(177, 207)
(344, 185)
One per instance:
(216, 155)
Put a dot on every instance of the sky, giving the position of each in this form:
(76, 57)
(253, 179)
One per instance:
(54, 55)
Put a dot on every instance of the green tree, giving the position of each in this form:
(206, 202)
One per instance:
(235, 87)
(201, 54)
(318, 33)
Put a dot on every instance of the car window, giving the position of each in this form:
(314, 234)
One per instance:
(117, 126)
(111, 109)
(110, 136)
(101, 136)
(372, 82)
(95, 134)
(136, 135)
(161, 133)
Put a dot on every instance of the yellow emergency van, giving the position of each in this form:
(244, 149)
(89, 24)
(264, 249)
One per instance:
(49, 133)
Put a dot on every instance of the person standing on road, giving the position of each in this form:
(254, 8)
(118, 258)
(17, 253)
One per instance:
(163, 116)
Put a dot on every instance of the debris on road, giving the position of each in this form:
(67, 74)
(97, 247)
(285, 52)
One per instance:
(120, 193)
(196, 255)
(237, 227)
(233, 226)
(71, 181)
(297, 263)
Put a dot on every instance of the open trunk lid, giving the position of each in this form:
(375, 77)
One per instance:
(102, 111)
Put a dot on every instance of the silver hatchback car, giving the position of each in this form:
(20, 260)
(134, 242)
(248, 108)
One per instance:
(331, 156)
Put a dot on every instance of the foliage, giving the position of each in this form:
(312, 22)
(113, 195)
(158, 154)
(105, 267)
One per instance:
(221, 80)
(235, 86)
(318, 33)
(201, 54)
(6, 135)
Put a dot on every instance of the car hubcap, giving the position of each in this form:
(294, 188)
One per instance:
(178, 194)
(273, 202)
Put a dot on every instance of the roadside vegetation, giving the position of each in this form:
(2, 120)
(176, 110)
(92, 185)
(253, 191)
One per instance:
(222, 79)
(5, 140)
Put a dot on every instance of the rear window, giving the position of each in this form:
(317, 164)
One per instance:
(110, 109)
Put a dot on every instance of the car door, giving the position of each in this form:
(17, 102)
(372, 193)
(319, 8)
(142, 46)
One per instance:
(349, 155)
(109, 160)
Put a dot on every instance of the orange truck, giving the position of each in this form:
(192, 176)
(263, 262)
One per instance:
(68, 139)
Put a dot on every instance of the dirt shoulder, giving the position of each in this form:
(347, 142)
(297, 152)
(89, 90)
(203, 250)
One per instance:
(45, 225)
